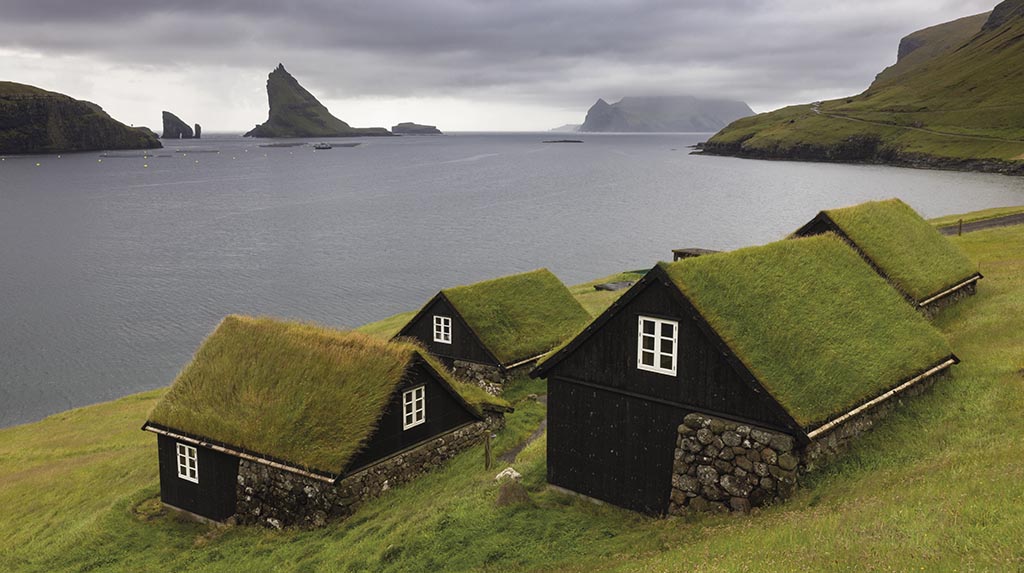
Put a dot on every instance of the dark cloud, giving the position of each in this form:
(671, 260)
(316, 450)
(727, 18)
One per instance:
(556, 53)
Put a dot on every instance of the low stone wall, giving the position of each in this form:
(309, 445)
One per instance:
(722, 465)
(490, 378)
(280, 498)
(934, 308)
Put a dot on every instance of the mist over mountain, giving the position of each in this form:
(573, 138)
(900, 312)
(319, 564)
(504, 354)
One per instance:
(664, 114)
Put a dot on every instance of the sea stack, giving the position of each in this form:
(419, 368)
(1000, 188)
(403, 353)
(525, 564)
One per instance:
(38, 121)
(410, 128)
(198, 131)
(294, 112)
(174, 128)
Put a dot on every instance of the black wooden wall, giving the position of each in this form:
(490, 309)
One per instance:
(612, 427)
(465, 345)
(443, 413)
(611, 447)
(818, 226)
(213, 496)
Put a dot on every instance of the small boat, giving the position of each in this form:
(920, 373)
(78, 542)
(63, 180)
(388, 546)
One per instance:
(322, 146)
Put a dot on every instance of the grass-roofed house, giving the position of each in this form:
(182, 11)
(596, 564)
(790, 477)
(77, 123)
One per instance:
(714, 379)
(284, 423)
(927, 268)
(489, 330)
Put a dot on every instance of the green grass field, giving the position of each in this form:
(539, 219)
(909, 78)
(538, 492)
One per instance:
(936, 487)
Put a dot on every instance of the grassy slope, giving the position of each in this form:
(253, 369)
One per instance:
(950, 220)
(953, 88)
(937, 486)
(907, 249)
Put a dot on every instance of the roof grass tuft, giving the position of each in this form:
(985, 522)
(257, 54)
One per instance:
(302, 393)
(910, 251)
(519, 316)
(816, 325)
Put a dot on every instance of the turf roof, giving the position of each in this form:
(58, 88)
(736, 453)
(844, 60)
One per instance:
(301, 393)
(812, 321)
(519, 316)
(911, 252)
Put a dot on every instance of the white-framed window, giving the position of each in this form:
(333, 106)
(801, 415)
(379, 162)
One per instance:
(656, 344)
(443, 329)
(414, 407)
(188, 463)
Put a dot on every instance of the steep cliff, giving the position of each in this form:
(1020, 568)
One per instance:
(33, 120)
(951, 101)
(663, 114)
(294, 112)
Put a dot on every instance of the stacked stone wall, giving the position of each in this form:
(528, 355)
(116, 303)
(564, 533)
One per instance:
(934, 308)
(490, 378)
(722, 465)
(279, 498)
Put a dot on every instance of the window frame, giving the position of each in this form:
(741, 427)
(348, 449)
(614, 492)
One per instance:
(414, 401)
(658, 339)
(187, 458)
(442, 329)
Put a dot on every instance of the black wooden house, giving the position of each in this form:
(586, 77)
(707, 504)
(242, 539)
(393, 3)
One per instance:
(779, 337)
(306, 404)
(488, 329)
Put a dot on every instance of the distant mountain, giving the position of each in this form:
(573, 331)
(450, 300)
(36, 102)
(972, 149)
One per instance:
(294, 112)
(664, 114)
(951, 101)
(175, 128)
(567, 128)
(33, 120)
(410, 128)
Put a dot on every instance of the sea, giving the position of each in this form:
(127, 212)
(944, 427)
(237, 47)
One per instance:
(115, 266)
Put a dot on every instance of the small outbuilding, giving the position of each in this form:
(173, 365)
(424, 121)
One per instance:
(490, 330)
(714, 380)
(926, 268)
(283, 423)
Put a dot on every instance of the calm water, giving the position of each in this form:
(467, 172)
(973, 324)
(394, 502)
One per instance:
(113, 271)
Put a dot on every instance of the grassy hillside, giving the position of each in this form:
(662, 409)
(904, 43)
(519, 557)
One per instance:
(953, 103)
(935, 487)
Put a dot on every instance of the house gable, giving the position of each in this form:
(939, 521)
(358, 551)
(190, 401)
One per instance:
(445, 411)
(707, 378)
(465, 344)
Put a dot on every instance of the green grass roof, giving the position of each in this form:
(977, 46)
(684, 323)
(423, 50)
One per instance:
(520, 316)
(816, 325)
(298, 392)
(917, 258)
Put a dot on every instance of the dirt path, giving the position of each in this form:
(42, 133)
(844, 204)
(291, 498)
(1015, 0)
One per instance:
(921, 129)
(510, 456)
(1004, 221)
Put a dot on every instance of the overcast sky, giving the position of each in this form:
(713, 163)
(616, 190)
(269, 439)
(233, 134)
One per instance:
(462, 65)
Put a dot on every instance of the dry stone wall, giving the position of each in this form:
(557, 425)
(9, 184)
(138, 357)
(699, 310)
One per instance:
(280, 498)
(722, 465)
(934, 308)
(490, 378)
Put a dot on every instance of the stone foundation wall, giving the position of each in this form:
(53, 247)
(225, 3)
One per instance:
(490, 378)
(722, 465)
(934, 308)
(280, 498)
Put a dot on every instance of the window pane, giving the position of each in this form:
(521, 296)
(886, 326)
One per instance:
(648, 327)
(648, 343)
(666, 362)
(668, 330)
(647, 358)
(667, 347)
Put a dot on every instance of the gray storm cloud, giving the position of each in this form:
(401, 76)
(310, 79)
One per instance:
(555, 53)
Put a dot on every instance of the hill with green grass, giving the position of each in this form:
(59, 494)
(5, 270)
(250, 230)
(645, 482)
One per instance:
(294, 112)
(934, 487)
(33, 120)
(951, 101)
